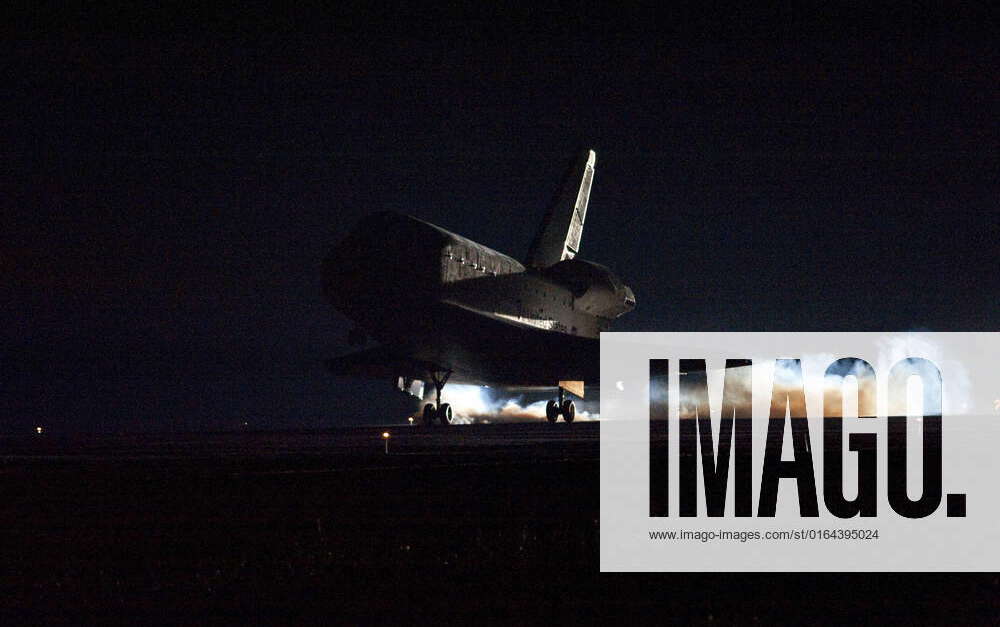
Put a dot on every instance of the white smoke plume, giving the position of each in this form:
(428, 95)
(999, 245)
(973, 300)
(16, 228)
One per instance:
(472, 404)
(891, 351)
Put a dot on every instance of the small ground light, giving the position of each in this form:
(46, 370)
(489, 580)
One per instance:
(410, 420)
(385, 437)
(38, 430)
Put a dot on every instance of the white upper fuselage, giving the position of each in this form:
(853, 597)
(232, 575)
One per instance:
(483, 280)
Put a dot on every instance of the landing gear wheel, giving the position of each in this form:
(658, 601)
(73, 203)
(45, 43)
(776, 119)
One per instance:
(444, 413)
(568, 410)
(429, 414)
(552, 411)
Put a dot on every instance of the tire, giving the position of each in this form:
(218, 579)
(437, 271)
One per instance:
(552, 411)
(444, 413)
(568, 410)
(429, 414)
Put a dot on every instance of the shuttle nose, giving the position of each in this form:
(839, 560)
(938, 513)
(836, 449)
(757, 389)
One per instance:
(629, 298)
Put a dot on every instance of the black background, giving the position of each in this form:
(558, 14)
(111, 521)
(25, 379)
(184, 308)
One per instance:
(172, 184)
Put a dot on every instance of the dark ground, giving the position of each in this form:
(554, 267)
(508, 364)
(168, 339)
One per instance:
(475, 523)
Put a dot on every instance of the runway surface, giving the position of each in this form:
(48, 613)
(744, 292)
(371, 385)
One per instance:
(469, 523)
(336, 448)
(191, 521)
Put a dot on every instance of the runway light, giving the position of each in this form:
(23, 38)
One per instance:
(385, 434)
(385, 437)
(38, 430)
(410, 419)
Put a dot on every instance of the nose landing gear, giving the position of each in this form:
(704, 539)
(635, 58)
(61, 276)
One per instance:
(564, 407)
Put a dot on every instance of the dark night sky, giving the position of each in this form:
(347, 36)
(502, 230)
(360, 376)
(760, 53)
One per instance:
(169, 196)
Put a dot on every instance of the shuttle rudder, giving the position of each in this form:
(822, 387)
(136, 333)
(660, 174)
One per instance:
(562, 229)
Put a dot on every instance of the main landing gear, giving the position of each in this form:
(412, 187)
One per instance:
(438, 410)
(564, 407)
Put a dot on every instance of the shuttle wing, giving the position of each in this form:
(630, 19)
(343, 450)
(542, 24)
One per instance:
(478, 349)
(391, 363)
(378, 362)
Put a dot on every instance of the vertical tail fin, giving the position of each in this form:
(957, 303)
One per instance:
(558, 237)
